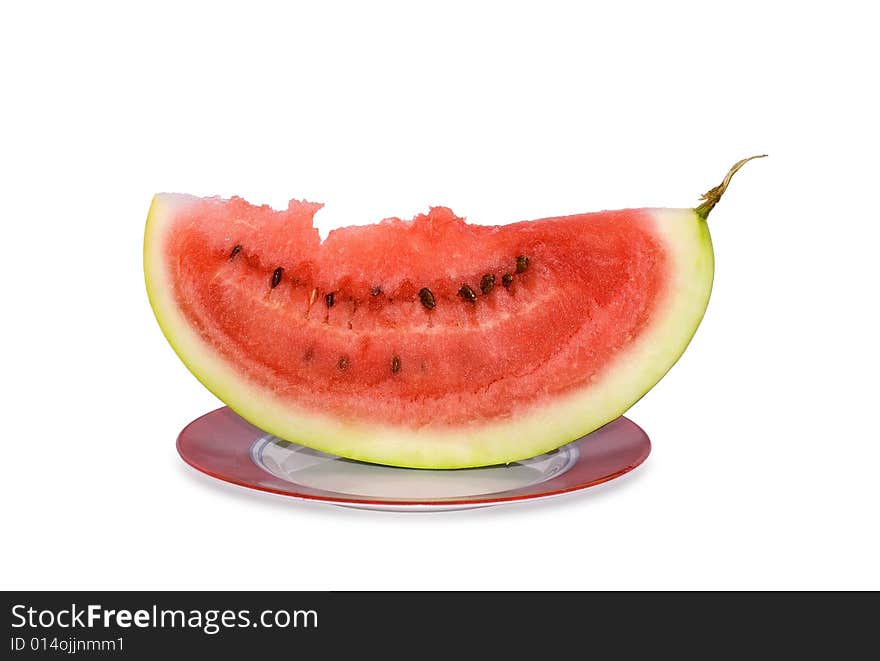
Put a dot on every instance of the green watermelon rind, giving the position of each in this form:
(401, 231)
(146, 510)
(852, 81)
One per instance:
(538, 429)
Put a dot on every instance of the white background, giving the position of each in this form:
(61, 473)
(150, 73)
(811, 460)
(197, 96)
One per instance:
(766, 464)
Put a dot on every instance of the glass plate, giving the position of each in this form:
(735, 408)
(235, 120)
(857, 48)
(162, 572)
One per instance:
(224, 446)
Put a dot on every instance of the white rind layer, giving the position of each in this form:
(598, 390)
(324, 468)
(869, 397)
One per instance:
(535, 431)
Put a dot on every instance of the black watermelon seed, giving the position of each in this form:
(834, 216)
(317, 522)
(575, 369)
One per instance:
(426, 296)
(375, 291)
(235, 251)
(507, 279)
(395, 364)
(328, 299)
(522, 263)
(343, 363)
(276, 276)
(487, 283)
(467, 294)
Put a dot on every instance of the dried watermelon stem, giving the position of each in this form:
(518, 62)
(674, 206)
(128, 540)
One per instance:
(711, 197)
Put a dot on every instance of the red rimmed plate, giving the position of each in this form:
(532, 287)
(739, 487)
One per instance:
(224, 446)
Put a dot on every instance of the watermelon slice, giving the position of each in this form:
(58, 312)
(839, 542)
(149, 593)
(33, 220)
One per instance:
(432, 342)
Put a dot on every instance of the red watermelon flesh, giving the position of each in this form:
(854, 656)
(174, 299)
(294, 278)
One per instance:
(532, 334)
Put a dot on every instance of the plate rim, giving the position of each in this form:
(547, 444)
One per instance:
(433, 504)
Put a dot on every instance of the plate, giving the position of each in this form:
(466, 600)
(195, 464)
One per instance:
(227, 447)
